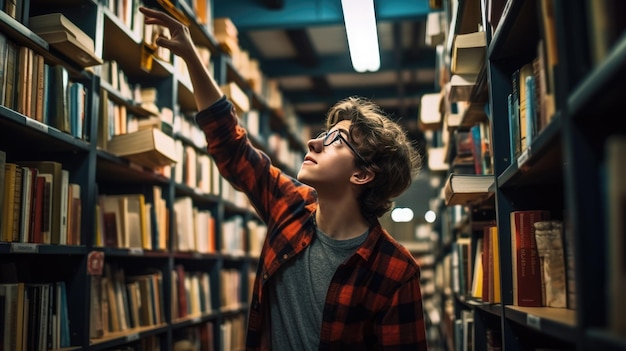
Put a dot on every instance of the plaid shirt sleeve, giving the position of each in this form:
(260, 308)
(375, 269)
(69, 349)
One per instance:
(247, 168)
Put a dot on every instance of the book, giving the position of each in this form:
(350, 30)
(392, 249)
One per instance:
(37, 210)
(48, 205)
(495, 295)
(523, 95)
(549, 238)
(57, 105)
(149, 147)
(74, 214)
(26, 203)
(10, 75)
(477, 271)
(63, 35)
(4, 49)
(465, 188)
(468, 53)
(429, 111)
(3, 161)
(65, 180)
(487, 260)
(525, 257)
(604, 27)
(615, 199)
(461, 86)
(55, 169)
(23, 88)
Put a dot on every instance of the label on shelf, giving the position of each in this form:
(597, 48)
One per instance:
(522, 158)
(533, 321)
(24, 247)
(33, 123)
(135, 251)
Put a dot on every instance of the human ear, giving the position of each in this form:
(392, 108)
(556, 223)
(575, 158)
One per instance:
(362, 176)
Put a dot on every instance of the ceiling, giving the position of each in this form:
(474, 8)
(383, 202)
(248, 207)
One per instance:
(303, 44)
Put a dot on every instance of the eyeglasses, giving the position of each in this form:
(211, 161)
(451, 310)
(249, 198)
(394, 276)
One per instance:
(334, 135)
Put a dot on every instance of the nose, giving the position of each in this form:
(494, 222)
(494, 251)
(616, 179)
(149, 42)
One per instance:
(315, 145)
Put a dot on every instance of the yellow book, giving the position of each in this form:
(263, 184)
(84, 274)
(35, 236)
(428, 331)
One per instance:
(477, 279)
(496, 296)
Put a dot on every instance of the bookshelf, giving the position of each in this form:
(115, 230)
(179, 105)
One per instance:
(566, 167)
(102, 280)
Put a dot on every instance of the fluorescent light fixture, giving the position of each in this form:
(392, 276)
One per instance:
(360, 21)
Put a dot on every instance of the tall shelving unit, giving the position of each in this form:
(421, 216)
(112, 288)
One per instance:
(99, 172)
(563, 169)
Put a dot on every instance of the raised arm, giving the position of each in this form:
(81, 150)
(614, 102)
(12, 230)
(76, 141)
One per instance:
(206, 90)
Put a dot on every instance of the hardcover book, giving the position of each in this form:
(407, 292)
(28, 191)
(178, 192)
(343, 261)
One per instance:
(468, 53)
(527, 290)
(461, 189)
(63, 35)
(149, 147)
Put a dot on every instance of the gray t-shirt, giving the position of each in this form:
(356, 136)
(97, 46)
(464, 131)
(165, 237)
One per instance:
(298, 292)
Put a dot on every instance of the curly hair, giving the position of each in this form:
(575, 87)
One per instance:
(384, 144)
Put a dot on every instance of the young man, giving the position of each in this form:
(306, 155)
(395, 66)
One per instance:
(329, 277)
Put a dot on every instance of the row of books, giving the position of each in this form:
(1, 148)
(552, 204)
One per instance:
(121, 302)
(542, 263)
(41, 90)
(39, 203)
(34, 316)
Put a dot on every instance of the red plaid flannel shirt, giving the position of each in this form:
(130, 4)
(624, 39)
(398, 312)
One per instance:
(374, 300)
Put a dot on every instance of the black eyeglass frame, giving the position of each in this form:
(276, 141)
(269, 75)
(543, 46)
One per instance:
(334, 135)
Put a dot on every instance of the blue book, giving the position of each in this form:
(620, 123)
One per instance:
(513, 128)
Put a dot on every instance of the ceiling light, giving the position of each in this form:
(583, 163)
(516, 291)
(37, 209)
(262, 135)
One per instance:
(362, 35)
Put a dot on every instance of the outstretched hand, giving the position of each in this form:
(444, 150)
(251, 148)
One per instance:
(180, 42)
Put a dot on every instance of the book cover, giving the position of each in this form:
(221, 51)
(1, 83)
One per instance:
(461, 86)
(37, 213)
(3, 162)
(10, 79)
(149, 147)
(16, 215)
(57, 103)
(65, 180)
(468, 53)
(25, 206)
(466, 188)
(66, 37)
(48, 205)
(487, 266)
(495, 289)
(477, 271)
(74, 214)
(615, 198)
(525, 257)
(4, 49)
(56, 170)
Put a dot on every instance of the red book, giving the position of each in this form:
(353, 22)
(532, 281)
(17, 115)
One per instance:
(182, 292)
(37, 212)
(526, 266)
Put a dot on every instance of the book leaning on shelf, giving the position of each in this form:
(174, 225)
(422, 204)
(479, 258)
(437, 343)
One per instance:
(148, 147)
(66, 37)
(468, 53)
(461, 189)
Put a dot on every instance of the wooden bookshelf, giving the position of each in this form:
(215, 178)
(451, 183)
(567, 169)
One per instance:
(82, 267)
(562, 169)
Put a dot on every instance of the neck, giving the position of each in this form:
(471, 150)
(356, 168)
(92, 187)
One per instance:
(340, 218)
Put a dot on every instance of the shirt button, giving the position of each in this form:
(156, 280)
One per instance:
(285, 256)
(265, 276)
